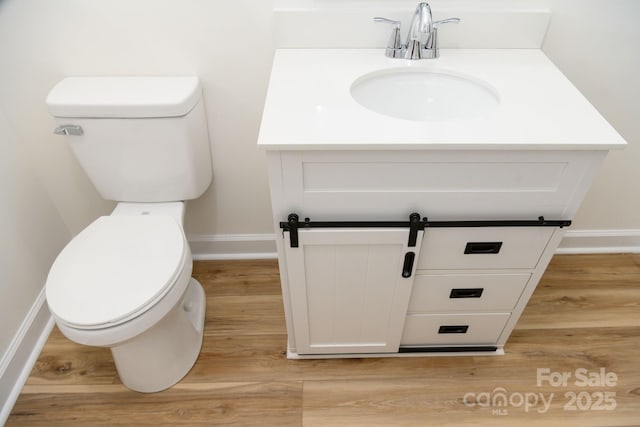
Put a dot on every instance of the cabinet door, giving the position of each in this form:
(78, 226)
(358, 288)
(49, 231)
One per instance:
(347, 287)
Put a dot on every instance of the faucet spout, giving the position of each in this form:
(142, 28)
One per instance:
(421, 24)
(419, 31)
(422, 39)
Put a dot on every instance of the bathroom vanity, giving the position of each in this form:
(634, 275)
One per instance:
(405, 227)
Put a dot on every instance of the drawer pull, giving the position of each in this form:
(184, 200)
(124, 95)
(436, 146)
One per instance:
(407, 268)
(482, 247)
(455, 329)
(466, 293)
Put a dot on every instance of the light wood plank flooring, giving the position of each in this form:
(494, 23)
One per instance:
(585, 314)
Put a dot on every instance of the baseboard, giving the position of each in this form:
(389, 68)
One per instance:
(22, 354)
(600, 241)
(233, 246)
(263, 246)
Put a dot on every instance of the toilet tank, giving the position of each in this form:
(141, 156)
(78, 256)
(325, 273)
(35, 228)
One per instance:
(139, 139)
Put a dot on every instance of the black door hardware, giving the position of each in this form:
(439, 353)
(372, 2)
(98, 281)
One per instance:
(482, 248)
(466, 293)
(414, 225)
(454, 329)
(407, 268)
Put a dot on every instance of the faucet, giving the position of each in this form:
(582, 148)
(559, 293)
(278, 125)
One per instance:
(422, 38)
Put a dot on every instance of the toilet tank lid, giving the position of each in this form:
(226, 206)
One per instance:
(124, 97)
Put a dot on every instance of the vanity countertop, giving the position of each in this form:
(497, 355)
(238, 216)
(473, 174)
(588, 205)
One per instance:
(309, 105)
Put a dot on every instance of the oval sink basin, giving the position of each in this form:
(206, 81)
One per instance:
(421, 95)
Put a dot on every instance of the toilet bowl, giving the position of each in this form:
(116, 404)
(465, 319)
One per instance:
(125, 282)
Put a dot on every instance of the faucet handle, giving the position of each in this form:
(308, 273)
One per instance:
(378, 20)
(432, 47)
(394, 46)
(436, 24)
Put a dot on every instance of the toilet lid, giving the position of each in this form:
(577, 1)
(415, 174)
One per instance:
(115, 268)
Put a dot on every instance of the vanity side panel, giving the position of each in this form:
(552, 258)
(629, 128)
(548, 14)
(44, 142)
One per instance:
(279, 208)
(592, 162)
(531, 285)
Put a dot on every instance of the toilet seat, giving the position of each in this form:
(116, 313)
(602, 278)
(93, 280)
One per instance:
(116, 269)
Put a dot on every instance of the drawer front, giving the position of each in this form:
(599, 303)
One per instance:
(441, 329)
(466, 292)
(483, 247)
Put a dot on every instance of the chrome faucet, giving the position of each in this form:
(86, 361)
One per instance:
(422, 38)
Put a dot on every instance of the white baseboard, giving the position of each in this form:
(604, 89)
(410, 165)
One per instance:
(233, 246)
(22, 354)
(263, 246)
(600, 242)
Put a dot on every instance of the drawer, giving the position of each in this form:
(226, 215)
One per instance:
(441, 329)
(483, 247)
(466, 292)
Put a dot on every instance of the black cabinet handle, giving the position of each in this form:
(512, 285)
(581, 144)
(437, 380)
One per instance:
(453, 329)
(482, 247)
(466, 293)
(407, 268)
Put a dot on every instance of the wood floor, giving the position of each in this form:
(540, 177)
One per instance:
(585, 316)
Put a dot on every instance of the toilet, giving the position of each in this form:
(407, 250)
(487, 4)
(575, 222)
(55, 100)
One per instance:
(124, 282)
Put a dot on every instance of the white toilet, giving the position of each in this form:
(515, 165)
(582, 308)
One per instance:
(125, 281)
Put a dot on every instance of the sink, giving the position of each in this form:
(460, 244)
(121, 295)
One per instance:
(424, 95)
(467, 99)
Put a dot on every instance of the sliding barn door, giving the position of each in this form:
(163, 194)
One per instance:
(350, 288)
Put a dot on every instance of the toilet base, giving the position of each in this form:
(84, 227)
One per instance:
(161, 356)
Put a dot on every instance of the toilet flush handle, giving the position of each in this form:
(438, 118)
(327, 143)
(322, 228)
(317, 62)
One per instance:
(74, 130)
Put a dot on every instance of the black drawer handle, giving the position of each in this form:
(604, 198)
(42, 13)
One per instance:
(407, 268)
(466, 293)
(457, 329)
(482, 247)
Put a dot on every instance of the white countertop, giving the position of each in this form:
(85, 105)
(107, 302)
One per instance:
(309, 106)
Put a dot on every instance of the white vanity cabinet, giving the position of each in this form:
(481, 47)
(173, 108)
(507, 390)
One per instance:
(492, 193)
(489, 222)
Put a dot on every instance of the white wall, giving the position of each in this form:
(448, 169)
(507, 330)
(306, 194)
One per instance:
(32, 235)
(595, 44)
(229, 44)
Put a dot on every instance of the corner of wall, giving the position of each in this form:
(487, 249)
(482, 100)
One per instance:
(21, 356)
